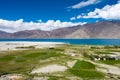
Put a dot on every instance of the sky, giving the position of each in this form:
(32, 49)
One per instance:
(17, 15)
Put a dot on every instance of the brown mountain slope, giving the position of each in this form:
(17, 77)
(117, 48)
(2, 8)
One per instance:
(31, 34)
(4, 34)
(61, 33)
(110, 29)
(58, 33)
(98, 30)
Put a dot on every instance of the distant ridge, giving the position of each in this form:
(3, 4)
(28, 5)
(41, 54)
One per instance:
(104, 29)
(4, 34)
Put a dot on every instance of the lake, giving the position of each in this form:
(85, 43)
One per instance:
(72, 41)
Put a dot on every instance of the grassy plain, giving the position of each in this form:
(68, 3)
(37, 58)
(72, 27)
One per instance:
(25, 61)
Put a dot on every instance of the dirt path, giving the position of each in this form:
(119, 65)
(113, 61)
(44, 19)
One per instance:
(109, 68)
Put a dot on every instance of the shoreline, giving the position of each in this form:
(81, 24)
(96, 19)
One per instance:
(24, 45)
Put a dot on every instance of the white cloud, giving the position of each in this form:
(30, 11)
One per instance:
(73, 18)
(79, 16)
(18, 25)
(107, 12)
(84, 4)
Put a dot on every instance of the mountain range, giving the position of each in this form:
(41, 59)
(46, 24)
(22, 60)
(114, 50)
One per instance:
(104, 29)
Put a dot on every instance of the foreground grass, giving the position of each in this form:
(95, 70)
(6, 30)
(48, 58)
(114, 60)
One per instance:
(23, 62)
(110, 62)
(85, 70)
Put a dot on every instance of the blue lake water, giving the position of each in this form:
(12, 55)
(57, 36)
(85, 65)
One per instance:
(72, 41)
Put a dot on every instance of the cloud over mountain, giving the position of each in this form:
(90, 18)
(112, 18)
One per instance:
(18, 25)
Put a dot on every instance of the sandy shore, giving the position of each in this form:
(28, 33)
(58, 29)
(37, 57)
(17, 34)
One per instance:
(4, 46)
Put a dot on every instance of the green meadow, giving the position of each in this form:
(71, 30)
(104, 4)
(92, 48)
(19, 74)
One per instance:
(86, 70)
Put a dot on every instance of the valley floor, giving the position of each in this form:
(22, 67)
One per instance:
(58, 61)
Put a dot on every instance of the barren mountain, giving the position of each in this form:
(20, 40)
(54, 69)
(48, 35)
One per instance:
(107, 29)
(58, 33)
(4, 34)
(31, 34)
(98, 30)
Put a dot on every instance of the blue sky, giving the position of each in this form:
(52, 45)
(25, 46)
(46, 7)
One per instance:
(32, 10)
(61, 12)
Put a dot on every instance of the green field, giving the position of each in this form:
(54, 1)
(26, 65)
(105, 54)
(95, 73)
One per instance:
(24, 61)
(111, 62)
(86, 70)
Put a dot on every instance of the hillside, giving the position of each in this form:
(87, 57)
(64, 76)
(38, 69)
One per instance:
(108, 29)
(98, 30)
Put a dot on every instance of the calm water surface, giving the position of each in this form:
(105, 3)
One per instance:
(72, 41)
